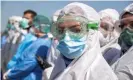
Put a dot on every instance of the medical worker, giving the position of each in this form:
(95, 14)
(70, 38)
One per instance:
(78, 55)
(126, 37)
(108, 18)
(29, 38)
(25, 24)
(123, 67)
(54, 20)
(125, 40)
(29, 14)
(14, 38)
(27, 67)
(110, 34)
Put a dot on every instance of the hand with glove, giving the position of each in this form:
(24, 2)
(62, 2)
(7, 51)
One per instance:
(5, 77)
(43, 63)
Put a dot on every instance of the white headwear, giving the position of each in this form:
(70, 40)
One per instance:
(55, 15)
(91, 62)
(15, 20)
(109, 16)
(112, 13)
(80, 9)
(129, 9)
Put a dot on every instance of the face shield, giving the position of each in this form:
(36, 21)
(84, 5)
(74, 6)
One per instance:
(40, 24)
(45, 28)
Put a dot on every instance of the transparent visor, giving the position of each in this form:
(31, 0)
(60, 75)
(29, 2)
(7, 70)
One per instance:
(75, 27)
(45, 28)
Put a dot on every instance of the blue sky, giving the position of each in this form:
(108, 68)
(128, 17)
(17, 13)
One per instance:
(47, 8)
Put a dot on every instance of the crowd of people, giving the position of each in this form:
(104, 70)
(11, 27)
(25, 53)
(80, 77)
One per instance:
(79, 43)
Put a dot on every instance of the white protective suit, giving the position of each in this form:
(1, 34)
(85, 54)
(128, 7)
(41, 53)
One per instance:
(13, 40)
(91, 64)
(110, 47)
(109, 16)
(115, 51)
(124, 66)
(55, 15)
(112, 50)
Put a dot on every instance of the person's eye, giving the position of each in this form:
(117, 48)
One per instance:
(105, 28)
(60, 30)
(75, 29)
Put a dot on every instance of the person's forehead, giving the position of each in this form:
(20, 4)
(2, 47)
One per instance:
(127, 20)
(67, 17)
(27, 15)
(69, 24)
(127, 15)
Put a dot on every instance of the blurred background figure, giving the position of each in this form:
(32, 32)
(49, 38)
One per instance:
(13, 39)
(109, 37)
(108, 18)
(123, 67)
(126, 24)
(55, 16)
(54, 20)
(27, 67)
(125, 40)
(29, 15)
(25, 24)
(17, 28)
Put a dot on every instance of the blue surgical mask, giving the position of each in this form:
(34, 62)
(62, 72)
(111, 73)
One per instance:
(70, 48)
